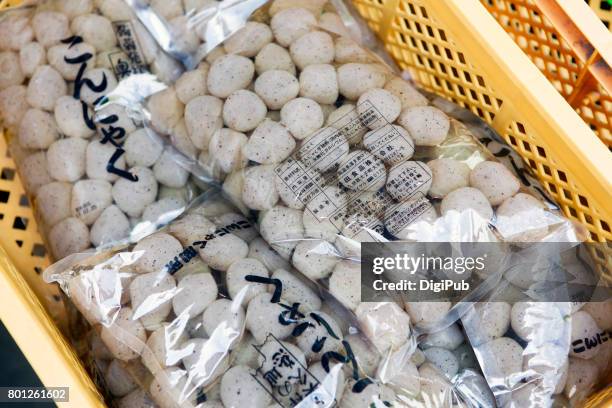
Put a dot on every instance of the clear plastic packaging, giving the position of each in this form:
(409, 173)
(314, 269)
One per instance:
(73, 75)
(205, 312)
(536, 352)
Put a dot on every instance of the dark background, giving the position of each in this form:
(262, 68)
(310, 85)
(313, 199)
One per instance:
(15, 371)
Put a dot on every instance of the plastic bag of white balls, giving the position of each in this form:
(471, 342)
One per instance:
(541, 354)
(93, 172)
(204, 313)
(291, 112)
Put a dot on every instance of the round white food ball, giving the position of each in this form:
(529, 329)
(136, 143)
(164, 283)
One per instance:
(31, 56)
(249, 40)
(522, 218)
(66, 159)
(15, 31)
(111, 226)
(270, 143)
(155, 251)
(296, 291)
(237, 285)
(584, 327)
(224, 321)
(434, 385)
(125, 337)
(347, 50)
(259, 189)
(240, 389)
(194, 293)
(153, 292)
(168, 170)
(274, 57)
(291, 189)
(409, 180)
(448, 175)
(506, 355)
(228, 74)
(34, 173)
(302, 116)
(282, 228)
(98, 156)
(333, 22)
(53, 202)
(37, 130)
(262, 318)
(319, 82)
(45, 87)
(378, 108)
(179, 138)
(99, 76)
(243, 111)
(133, 196)
(582, 375)
(345, 283)
(166, 110)
(355, 79)
(163, 349)
(68, 237)
(316, 47)
(361, 170)
(324, 214)
(427, 125)
(466, 198)
(317, 330)
(203, 119)
(223, 251)
(226, 149)
(89, 199)
(261, 251)
(192, 84)
(118, 379)
(13, 105)
(58, 54)
(69, 117)
(50, 27)
(385, 323)
(142, 148)
(494, 320)
(370, 396)
(95, 30)
(390, 143)
(315, 258)
(406, 93)
(276, 88)
(426, 312)
(10, 70)
(495, 181)
(347, 121)
(449, 338)
(290, 24)
(405, 220)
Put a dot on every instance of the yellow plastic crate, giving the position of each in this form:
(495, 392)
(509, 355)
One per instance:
(452, 47)
(567, 42)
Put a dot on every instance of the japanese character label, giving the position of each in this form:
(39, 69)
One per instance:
(191, 251)
(588, 343)
(286, 378)
(130, 59)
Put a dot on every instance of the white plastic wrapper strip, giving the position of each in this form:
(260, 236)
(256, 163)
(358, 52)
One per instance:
(94, 173)
(204, 313)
